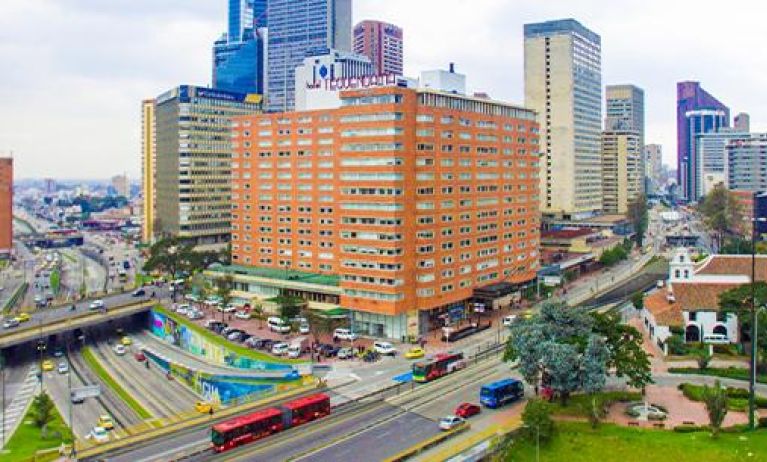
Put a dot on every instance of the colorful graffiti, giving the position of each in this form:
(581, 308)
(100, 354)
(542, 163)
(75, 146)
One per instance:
(222, 388)
(185, 338)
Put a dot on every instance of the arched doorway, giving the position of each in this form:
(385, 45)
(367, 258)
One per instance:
(720, 329)
(692, 333)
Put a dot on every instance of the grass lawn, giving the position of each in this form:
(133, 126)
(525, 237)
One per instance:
(220, 341)
(27, 440)
(96, 366)
(577, 404)
(577, 442)
(737, 398)
(737, 373)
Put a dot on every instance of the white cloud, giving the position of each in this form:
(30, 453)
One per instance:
(74, 71)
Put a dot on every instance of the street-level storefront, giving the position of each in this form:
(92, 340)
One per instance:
(379, 325)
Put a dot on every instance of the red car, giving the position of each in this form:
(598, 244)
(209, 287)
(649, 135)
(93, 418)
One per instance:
(140, 357)
(467, 410)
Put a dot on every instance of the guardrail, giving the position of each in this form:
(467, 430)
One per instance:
(19, 293)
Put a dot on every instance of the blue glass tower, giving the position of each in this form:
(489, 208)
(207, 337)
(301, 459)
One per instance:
(238, 55)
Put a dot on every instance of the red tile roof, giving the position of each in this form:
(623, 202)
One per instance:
(689, 296)
(734, 264)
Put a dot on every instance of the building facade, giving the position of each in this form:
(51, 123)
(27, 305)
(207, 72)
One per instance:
(412, 199)
(622, 170)
(383, 43)
(711, 157)
(747, 163)
(742, 123)
(653, 163)
(625, 109)
(296, 28)
(6, 207)
(193, 162)
(121, 185)
(563, 84)
(697, 112)
(148, 163)
(238, 56)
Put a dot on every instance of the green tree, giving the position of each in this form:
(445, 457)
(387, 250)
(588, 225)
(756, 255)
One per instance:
(721, 212)
(715, 399)
(627, 357)
(637, 215)
(320, 325)
(703, 358)
(537, 422)
(224, 286)
(594, 369)
(738, 302)
(42, 410)
(170, 256)
(290, 307)
(560, 360)
(638, 300)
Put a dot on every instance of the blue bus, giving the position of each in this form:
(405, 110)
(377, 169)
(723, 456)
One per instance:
(496, 394)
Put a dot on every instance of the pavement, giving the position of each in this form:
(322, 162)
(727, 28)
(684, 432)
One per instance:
(14, 410)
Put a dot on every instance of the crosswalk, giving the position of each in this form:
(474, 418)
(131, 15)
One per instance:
(14, 412)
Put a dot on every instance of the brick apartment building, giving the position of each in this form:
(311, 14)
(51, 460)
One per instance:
(411, 200)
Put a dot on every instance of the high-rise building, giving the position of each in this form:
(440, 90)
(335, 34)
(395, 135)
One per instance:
(148, 164)
(382, 43)
(409, 204)
(121, 185)
(742, 123)
(49, 186)
(696, 112)
(327, 69)
(238, 56)
(622, 171)
(296, 28)
(747, 163)
(625, 109)
(563, 84)
(6, 207)
(711, 157)
(653, 163)
(193, 152)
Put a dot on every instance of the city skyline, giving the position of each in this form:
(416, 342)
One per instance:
(146, 47)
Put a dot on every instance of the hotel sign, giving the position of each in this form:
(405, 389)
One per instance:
(354, 83)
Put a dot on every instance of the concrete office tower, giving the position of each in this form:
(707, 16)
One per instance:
(622, 170)
(747, 163)
(563, 84)
(404, 205)
(625, 109)
(711, 157)
(653, 162)
(121, 185)
(6, 207)
(148, 162)
(381, 42)
(742, 123)
(298, 27)
(690, 121)
(193, 167)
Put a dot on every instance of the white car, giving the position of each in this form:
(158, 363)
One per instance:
(99, 435)
(279, 349)
(119, 350)
(194, 314)
(344, 334)
(509, 320)
(384, 348)
(96, 305)
(303, 329)
(450, 422)
(183, 309)
(242, 315)
(63, 367)
(10, 322)
(226, 309)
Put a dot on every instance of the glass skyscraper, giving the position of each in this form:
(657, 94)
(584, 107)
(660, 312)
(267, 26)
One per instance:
(238, 56)
(696, 112)
(298, 27)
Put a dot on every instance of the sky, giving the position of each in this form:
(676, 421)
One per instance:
(74, 72)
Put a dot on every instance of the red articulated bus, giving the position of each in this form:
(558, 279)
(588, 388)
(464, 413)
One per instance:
(441, 365)
(260, 424)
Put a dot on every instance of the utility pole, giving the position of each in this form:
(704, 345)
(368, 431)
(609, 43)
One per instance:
(2, 378)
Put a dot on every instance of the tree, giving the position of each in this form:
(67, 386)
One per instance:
(703, 358)
(738, 302)
(595, 410)
(638, 300)
(171, 256)
(721, 212)
(257, 312)
(637, 215)
(537, 423)
(627, 357)
(42, 410)
(224, 287)
(561, 362)
(320, 325)
(594, 373)
(290, 307)
(715, 399)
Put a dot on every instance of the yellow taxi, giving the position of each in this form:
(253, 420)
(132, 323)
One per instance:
(527, 314)
(105, 422)
(415, 352)
(23, 317)
(47, 365)
(126, 341)
(203, 407)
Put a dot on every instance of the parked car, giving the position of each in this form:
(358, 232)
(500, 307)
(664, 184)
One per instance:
(276, 324)
(244, 337)
(264, 344)
(279, 349)
(183, 309)
(234, 335)
(344, 334)
(509, 320)
(226, 309)
(303, 328)
(450, 422)
(466, 410)
(384, 348)
(251, 342)
(328, 350)
(242, 315)
(195, 314)
(345, 353)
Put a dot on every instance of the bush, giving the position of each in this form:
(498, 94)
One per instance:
(537, 421)
(691, 428)
(729, 350)
(676, 345)
(762, 422)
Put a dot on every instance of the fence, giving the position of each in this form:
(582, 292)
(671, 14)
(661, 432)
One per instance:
(21, 291)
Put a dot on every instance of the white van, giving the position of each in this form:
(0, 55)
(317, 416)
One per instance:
(276, 324)
(384, 348)
(344, 334)
(715, 338)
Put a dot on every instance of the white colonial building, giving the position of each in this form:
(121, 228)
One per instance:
(689, 300)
